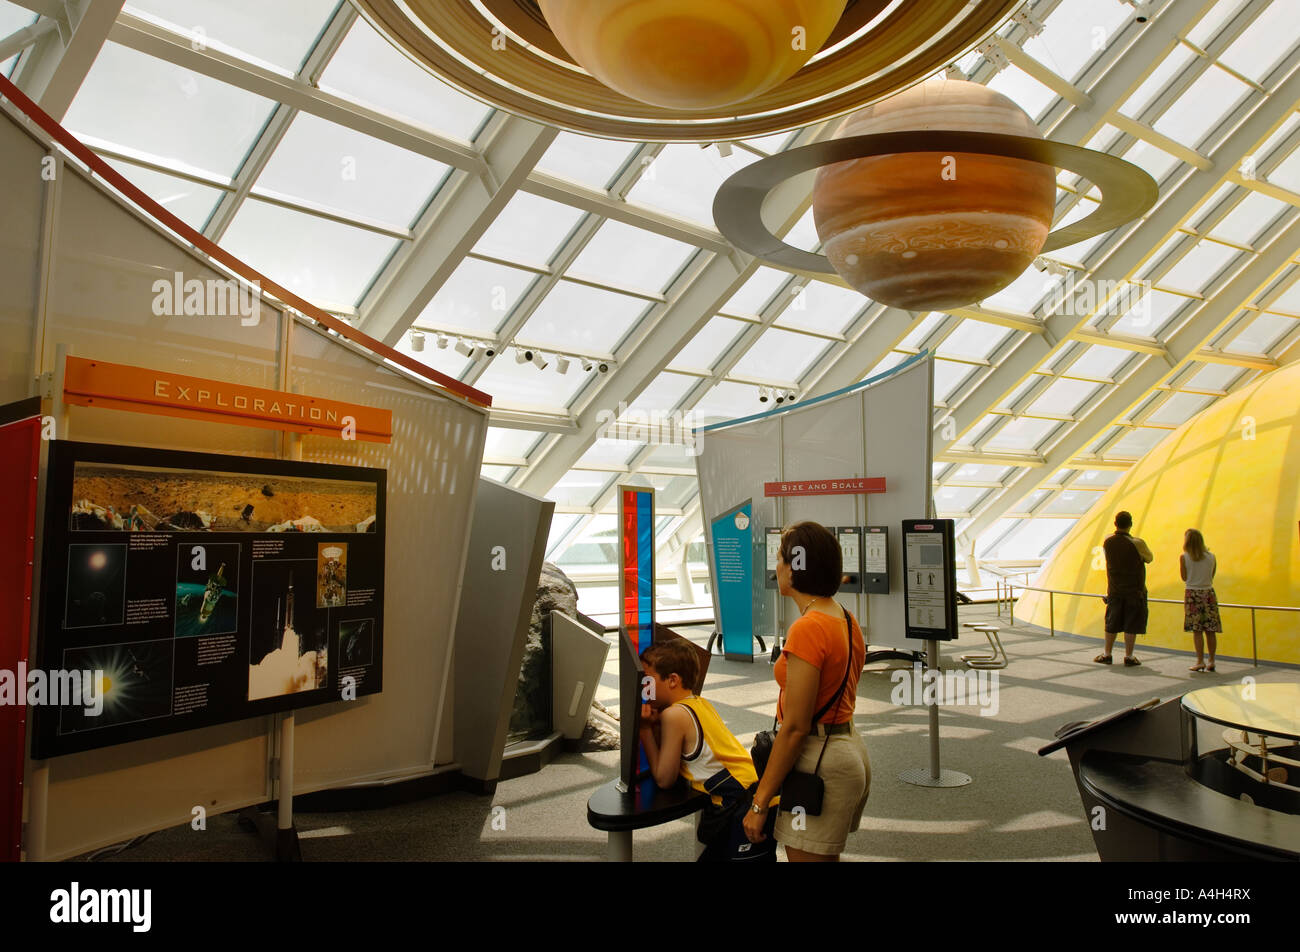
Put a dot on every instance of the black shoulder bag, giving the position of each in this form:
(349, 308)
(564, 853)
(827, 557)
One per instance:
(800, 789)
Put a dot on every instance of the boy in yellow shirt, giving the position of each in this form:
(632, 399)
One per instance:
(682, 735)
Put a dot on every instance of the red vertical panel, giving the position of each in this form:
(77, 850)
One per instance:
(20, 451)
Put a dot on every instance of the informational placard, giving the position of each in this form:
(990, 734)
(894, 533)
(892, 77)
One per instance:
(875, 560)
(850, 538)
(930, 579)
(773, 555)
(199, 589)
(733, 557)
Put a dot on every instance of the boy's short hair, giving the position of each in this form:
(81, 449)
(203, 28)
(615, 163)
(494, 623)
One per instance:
(1123, 520)
(822, 566)
(674, 656)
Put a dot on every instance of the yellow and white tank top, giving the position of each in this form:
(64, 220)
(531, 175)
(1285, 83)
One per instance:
(716, 763)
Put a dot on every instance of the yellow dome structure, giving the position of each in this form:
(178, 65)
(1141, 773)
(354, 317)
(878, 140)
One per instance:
(1232, 471)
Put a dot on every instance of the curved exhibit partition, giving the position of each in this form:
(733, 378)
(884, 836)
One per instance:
(98, 327)
(1231, 471)
(858, 461)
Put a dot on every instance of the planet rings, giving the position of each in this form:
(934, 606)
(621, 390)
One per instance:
(1127, 191)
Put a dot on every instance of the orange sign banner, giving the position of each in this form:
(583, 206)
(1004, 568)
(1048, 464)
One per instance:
(96, 383)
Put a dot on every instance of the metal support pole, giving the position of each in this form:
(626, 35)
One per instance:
(934, 775)
(1254, 646)
(1011, 605)
(1051, 613)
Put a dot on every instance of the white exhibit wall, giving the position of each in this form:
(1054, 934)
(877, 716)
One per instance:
(878, 428)
(79, 267)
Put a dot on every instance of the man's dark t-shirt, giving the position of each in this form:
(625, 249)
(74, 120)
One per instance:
(1125, 570)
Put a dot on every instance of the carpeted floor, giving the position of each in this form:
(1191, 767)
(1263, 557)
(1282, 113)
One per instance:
(1019, 806)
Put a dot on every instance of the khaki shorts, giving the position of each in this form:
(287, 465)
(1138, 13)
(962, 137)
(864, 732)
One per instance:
(846, 771)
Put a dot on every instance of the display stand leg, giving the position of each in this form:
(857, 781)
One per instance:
(277, 831)
(619, 848)
(37, 810)
(934, 775)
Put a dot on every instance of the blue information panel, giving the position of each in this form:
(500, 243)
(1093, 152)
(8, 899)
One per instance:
(733, 572)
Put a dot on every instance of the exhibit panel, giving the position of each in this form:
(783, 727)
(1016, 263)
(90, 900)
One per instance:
(850, 460)
(115, 290)
(20, 242)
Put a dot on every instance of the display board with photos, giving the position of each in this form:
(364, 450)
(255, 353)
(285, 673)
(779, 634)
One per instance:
(206, 588)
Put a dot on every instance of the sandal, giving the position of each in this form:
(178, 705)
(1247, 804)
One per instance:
(1210, 666)
(1197, 667)
(1131, 662)
(1102, 659)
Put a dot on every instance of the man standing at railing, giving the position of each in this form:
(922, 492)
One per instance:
(1126, 588)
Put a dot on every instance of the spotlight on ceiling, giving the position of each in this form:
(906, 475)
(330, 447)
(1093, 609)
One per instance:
(762, 395)
(586, 365)
(490, 350)
(417, 341)
(562, 363)
(780, 397)
(465, 347)
(539, 361)
(443, 342)
(522, 356)
(603, 367)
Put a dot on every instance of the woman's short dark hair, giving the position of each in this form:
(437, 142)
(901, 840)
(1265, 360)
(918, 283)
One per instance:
(813, 554)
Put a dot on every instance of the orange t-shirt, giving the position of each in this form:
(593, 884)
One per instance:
(819, 639)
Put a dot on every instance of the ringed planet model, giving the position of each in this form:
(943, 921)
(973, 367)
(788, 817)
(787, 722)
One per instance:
(936, 198)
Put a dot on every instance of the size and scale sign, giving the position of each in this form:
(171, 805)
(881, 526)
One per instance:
(929, 578)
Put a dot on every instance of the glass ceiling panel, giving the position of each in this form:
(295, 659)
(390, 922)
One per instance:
(974, 339)
(1023, 293)
(578, 488)
(326, 164)
(1062, 398)
(1287, 174)
(502, 441)
(524, 386)
(889, 361)
(1289, 300)
(665, 392)
(1023, 90)
(1098, 363)
(631, 258)
(1198, 268)
(370, 70)
(1071, 503)
(1155, 162)
(823, 307)
(561, 522)
(948, 376)
(779, 356)
(704, 349)
(1151, 314)
(528, 230)
(1252, 215)
(804, 233)
(952, 500)
(683, 179)
(575, 318)
(980, 473)
(279, 34)
(610, 453)
(1203, 106)
(677, 492)
(1021, 435)
(597, 544)
(585, 159)
(209, 126)
(498, 474)
(918, 334)
(756, 292)
(1262, 45)
(1034, 538)
(726, 401)
(988, 421)
(12, 19)
(190, 202)
(1180, 408)
(1014, 397)
(1136, 443)
(1097, 478)
(324, 261)
(1028, 502)
(771, 144)
(477, 297)
(1214, 377)
(1172, 65)
(1070, 34)
(672, 454)
(1208, 27)
(1261, 334)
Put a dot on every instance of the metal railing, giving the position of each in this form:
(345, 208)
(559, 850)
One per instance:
(1053, 592)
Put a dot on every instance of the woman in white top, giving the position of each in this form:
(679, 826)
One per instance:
(1200, 605)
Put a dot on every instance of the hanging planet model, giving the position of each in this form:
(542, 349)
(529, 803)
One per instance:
(928, 231)
(692, 54)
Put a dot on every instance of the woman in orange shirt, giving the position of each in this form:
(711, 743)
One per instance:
(818, 672)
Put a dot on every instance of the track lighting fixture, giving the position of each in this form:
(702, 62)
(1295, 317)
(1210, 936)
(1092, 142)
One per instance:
(562, 363)
(465, 348)
(417, 341)
(443, 342)
(762, 395)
